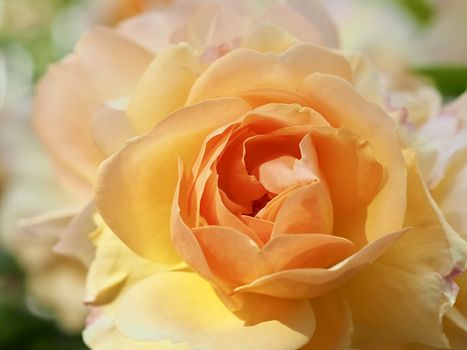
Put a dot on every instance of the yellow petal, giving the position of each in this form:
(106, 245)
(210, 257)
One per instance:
(413, 275)
(164, 86)
(243, 70)
(333, 323)
(188, 310)
(135, 187)
(114, 268)
(101, 334)
(450, 193)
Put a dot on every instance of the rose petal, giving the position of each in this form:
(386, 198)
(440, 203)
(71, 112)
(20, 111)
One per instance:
(333, 323)
(114, 268)
(274, 71)
(74, 240)
(112, 62)
(188, 310)
(61, 112)
(101, 334)
(164, 86)
(111, 129)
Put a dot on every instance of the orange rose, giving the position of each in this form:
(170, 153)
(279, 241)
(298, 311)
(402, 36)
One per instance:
(266, 204)
(277, 184)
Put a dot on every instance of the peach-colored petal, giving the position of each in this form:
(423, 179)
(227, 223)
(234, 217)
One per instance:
(275, 71)
(307, 210)
(306, 250)
(413, 275)
(74, 240)
(63, 108)
(164, 86)
(135, 187)
(263, 228)
(112, 62)
(61, 111)
(273, 116)
(339, 151)
(199, 317)
(215, 212)
(111, 129)
(367, 120)
(183, 238)
(309, 282)
(283, 172)
(231, 255)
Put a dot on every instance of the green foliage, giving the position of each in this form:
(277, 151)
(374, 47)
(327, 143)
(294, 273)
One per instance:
(421, 10)
(19, 329)
(450, 80)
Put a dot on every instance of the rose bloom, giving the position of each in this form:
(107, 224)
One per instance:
(270, 200)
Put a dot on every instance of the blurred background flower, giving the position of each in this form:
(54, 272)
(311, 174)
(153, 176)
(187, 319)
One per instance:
(414, 40)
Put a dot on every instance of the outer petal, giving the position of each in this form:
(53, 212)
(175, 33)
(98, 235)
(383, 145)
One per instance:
(114, 268)
(413, 275)
(135, 188)
(164, 87)
(104, 66)
(451, 193)
(74, 240)
(55, 282)
(258, 70)
(110, 129)
(188, 310)
(61, 110)
(112, 62)
(101, 334)
(333, 323)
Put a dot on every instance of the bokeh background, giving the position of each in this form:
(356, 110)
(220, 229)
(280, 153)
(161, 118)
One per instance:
(422, 39)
